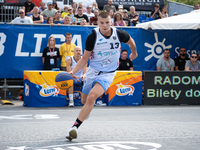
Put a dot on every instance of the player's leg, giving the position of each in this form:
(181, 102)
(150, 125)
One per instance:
(71, 99)
(96, 91)
(83, 99)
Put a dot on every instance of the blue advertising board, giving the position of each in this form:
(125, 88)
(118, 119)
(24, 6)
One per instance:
(21, 46)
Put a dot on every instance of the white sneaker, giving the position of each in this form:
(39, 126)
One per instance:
(71, 103)
(72, 133)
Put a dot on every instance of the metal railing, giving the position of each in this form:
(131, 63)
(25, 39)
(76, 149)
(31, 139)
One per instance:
(8, 13)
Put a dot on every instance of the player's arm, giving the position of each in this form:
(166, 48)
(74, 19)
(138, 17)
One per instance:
(126, 38)
(68, 64)
(132, 46)
(84, 72)
(82, 62)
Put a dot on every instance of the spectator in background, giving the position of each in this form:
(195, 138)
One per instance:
(75, 21)
(28, 7)
(120, 8)
(198, 57)
(165, 63)
(50, 21)
(74, 6)
(181, 60)
(55, 6)
(125, 18)
(196, 7)
(83, 22)
(124, 62)
(175, 14)
(67, 20)
(89, 13)
(109, 6)
(133, 16)
(118, 20)
(164, 12)
(66, 12)
(71, 14)
(94, 20)
(66, 50)
(193, 64)
(42, 7)
(57, 18)
(81, 16)
(36, 17)
(81, 5)
(111, 14)
(156, 14)
(50, 12)
(22, 19)
(94, 6)
(50, 55)
(70, 64)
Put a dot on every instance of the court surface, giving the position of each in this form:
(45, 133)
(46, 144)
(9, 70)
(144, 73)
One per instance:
(108, 128)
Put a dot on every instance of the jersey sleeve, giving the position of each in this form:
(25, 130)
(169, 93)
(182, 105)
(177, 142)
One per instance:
(90, 41)
(123, 36)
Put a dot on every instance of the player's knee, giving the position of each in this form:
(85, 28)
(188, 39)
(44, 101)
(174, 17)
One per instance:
(91, 99)
(83, 101)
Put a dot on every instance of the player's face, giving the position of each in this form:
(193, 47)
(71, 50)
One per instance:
(104, 25)
(77, 51)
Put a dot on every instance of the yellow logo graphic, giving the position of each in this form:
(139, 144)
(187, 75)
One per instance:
(26, 90)
(123, 90)
(49, 90)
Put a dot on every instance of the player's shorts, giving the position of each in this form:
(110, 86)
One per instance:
(92, 76)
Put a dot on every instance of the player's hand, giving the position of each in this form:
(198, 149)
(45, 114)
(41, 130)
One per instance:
(71, 73)
(83, 77)
(77, 78)
(132, 57)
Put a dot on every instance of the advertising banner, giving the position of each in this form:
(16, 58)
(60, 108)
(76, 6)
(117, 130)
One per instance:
(145, 5)
(21, 46)
(20, 2)
(40, 90)
(171, 88)
(126, 89)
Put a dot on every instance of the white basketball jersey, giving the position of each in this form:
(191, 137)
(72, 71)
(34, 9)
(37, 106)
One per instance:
(80, 72)
(106, 52)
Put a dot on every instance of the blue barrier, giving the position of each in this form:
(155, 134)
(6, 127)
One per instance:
(21, 46)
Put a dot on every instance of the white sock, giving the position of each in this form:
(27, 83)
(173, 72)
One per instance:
(71, 97)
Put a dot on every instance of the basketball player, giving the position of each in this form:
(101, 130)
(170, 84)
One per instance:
(103, 48)
(70, 64)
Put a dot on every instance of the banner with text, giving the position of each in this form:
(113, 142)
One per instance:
(171, 88)
(21, 46)
(145, 5)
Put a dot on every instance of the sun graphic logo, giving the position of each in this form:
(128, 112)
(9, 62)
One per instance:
(123, 90)
(156, 49)
(49, 90)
